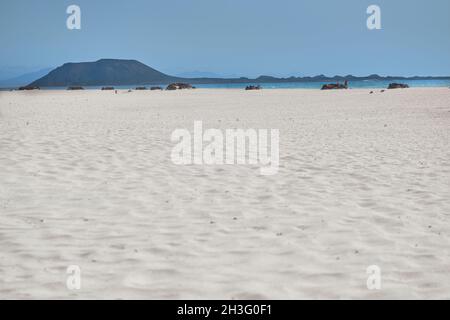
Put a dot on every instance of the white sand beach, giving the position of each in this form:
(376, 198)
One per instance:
(86, 179)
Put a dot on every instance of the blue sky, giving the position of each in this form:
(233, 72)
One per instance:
(231, 37)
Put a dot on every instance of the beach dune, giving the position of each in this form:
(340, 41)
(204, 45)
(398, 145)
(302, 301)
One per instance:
(86, 180)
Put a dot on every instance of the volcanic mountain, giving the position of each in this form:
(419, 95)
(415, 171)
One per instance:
(103, 72)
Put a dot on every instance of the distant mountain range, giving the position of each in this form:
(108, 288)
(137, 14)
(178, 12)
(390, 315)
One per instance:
(132, 72)
(24, 79)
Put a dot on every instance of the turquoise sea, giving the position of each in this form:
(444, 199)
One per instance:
(366, 84)
(375, 84)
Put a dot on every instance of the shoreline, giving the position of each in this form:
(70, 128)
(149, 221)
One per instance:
(371, 85)
(122, 90)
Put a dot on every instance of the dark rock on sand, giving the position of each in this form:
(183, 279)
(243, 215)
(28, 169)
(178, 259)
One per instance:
(29, 88)
(107, 88)
(75, 88)
(258, 87)
(331, 86)
(179, 86)
(398, 86)
(140, 88)
(156, 88)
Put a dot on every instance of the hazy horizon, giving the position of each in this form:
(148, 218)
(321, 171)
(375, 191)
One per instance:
(231, 38)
